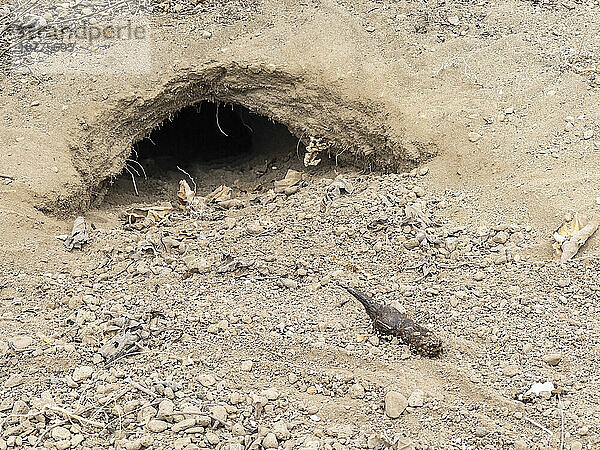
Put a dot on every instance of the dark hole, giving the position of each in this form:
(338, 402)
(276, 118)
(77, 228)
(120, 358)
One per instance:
(211, 133)
(216, 144)
(201, 133)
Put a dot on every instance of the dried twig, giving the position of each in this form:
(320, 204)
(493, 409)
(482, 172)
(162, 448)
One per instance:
(562, 423)
(540, 426)
(74, 416)
(141, 388)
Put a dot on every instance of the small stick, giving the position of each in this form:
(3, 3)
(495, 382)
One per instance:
(562, 423)
(217, 115)
(541, 427)
(141, 388)
(8, 177)
(74, 416)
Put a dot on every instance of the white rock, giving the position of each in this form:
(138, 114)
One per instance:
(270, 394)
(270, 441)
(183, 425)
(416, 398)
(474, 137)
(165, 408)
(219, 412)
(21, 343)
(14, 380)
(82, 373)
(281, 431)
(356, 391)
(206, 380)
(60, 433)
(157, 426)
(453, 20)
(395, 404)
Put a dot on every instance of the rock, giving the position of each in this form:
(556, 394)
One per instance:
(588, 134)
(61, 433)
(356, 391)
(520, 444)
(76, 440)
(510, 370)
(479, 276)
(206, 380)
(165, 409)
(183, 425)
(63, 444)
(196, 265)
(203, 421)
(21, 343)
(576, 445)
(157, 426)
(181, 443)
(212, 438)
(14, 380)
(206, 34)
(411, 243)
(481, 431)
(416, 399)
(500, 238)
(270, 441)
(474, 137)
(219, 412)
(281, 431)
(246, 366)
(238, 430)
(287, 283)
(395, 404)
(453, 20)
(82, 373)
(373, 340)
(552, 359)
(20, 407)
(270, 394)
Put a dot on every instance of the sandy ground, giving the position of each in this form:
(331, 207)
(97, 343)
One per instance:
(261, 346)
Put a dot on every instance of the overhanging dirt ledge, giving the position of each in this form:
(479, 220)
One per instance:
(355, 126)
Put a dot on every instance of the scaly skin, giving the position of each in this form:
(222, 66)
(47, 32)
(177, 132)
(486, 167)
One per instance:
(388, 320)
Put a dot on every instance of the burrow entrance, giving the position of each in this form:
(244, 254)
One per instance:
(133, 134)
(215, 143)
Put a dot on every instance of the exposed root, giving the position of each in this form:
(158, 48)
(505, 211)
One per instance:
(218, 125)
